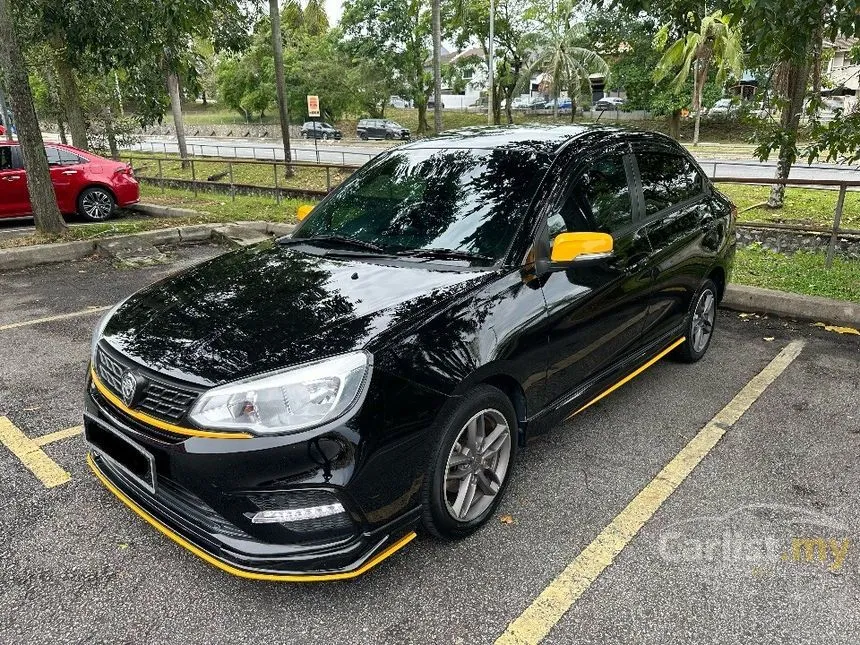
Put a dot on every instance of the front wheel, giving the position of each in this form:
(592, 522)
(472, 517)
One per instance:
(363, 136)
(699, 328)
(468, 470)
(389, 136)
(96, 204)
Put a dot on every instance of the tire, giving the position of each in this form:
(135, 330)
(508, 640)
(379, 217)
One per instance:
(389, 136)
(457, 500)
(699, 326)
(96, 204)
(363, 136)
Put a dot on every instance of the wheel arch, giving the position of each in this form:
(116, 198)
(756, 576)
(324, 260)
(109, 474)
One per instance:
(718, 275)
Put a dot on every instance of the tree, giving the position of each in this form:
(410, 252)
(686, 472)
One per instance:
(44, 202)
(715, 41)
(280, 83)
(437, 65)
(558, 55)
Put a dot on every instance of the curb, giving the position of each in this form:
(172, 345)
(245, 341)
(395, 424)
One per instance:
(791, 305)
(161, 211)
(30, 256)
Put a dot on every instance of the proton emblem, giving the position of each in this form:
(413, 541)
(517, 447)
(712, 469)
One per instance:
(128, 387)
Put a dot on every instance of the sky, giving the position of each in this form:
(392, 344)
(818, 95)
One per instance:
(334, 9)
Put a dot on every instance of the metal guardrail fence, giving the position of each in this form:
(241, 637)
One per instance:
(279, 191)
(319, 154)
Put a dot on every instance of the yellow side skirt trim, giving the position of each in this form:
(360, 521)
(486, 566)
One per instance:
(630, 376)
(158, 423)
(275, 577)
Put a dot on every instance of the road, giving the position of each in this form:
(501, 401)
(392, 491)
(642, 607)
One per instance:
(715, 563)
(359, 152)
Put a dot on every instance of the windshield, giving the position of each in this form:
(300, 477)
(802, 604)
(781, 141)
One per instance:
(464, 200)
(394, 124)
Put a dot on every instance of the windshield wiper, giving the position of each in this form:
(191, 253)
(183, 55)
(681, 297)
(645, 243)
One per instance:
(335, 239)
(446, 254)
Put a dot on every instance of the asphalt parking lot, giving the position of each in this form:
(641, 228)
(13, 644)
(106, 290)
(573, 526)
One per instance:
(757, 540)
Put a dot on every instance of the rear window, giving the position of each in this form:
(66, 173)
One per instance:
(61, 157)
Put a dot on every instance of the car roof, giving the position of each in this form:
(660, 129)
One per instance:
(547, 138)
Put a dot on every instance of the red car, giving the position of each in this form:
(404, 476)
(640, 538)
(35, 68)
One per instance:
(83, 182)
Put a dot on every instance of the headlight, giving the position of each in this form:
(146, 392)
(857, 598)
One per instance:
(288, 400)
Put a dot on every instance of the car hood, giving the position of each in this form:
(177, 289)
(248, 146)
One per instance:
(271, 306)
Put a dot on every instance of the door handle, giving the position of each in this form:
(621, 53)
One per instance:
(635, 263)
(12, 178)
(70, 172)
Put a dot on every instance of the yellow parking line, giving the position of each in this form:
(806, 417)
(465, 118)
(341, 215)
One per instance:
(45, 439)
(37, 321)
(31, 455)
(558, 597)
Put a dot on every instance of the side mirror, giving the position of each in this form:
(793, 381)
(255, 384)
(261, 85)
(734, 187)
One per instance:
(568, 248)
(303, 211)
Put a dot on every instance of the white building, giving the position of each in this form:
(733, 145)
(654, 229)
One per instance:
(843, 72)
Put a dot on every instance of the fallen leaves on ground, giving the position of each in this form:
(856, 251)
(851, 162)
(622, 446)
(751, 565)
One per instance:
(506, 519)
(837, 329)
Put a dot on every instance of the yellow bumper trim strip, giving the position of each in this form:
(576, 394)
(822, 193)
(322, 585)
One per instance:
(630, 376)
(158, 423)
(242, 573)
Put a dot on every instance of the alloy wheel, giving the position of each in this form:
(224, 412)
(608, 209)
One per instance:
(477, 465)
(97, 204)
(703, 320)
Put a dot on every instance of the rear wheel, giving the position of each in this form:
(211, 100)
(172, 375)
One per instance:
(363, 136)
(700, 324)
(96, 204)
(388, 136)
(468, 470)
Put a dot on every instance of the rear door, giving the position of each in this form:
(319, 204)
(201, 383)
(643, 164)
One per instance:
(67, 175)
(14, 198)
(596, 311)
(677, 213)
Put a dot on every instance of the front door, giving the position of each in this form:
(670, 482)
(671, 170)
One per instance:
(67, 177)
(14, 198)
(596, 311)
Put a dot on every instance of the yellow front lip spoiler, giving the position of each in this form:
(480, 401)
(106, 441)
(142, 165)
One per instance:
(242, 573)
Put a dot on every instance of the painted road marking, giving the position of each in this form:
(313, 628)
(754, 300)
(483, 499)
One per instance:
(31, 455)
(532, 626)
(59, 435)
(37, 321)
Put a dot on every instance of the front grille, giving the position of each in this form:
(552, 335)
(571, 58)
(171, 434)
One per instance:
(159, 399)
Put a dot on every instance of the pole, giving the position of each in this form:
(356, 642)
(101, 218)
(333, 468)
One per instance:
(316, 149)
(491, 63)
(837, 222)
(278, 46)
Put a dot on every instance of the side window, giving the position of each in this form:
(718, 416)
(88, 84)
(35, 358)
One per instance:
(53, 156)
(667, 179)
(599, 200)
(6, 158)
(69, 158)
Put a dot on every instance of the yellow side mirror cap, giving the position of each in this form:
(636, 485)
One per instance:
(303, 211)
(567, 247)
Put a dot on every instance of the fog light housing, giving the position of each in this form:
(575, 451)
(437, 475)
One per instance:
(286, 515)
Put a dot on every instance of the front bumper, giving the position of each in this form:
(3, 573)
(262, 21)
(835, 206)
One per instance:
(177, 528)
(202, 493)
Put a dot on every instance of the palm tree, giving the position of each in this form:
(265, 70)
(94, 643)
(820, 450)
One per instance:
(437, 65)
(716, 41)
(568, 65)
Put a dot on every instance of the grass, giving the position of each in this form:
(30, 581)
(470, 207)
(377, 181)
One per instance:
(801, 272)
(803, 206)
(212, 209)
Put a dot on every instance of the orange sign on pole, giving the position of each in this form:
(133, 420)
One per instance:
(313, 105)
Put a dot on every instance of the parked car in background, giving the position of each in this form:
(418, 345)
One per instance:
(2, 130)
(536, 103)
(520, 102)
(564, 104)
(608, 103)
(381, 129)
(299, 408)
(84, 183)
(722, 109)
(398, 102)
(431, 104)
(320, 130)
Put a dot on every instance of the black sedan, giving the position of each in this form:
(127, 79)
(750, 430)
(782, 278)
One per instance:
(298, 409)
(320, 130)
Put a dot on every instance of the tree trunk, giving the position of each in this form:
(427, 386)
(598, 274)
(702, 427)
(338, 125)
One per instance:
(280, 82)
(437, 66)
(675, 124)
(699, 77)
(69, 93)
(61, 126)
(797, 75)
(42, 197)
(176, 108)
(423, 127)
(111, 134)
(4, 113)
